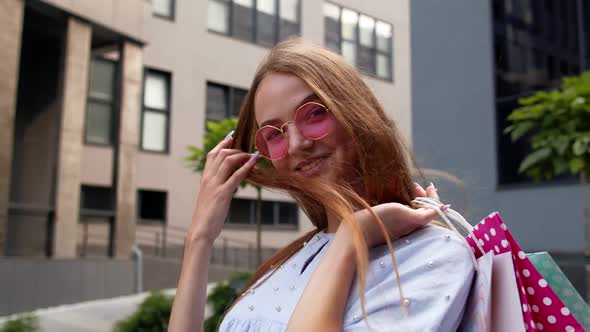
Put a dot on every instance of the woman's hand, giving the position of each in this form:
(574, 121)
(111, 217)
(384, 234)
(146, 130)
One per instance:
(399, 219)
(224, 170)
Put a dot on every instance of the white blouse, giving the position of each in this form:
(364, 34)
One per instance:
(435, 270)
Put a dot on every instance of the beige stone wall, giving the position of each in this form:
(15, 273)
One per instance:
(11, 22)
(131, 86)
(125, 17)
(77, 57)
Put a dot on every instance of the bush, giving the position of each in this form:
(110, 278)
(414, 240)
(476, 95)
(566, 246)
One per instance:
(222, 296)
(154, 312)
(28, 322)
(153, 315)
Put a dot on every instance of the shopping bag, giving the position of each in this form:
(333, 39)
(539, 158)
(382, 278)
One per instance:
(542, 309)
(562, 286)
(506, 307)
(478, 309)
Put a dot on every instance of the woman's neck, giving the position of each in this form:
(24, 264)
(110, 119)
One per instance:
(333, 223)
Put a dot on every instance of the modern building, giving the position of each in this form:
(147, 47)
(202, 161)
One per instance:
(103, 99)
(100, 100)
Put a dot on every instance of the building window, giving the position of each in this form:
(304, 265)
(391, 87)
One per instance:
(163, 8)
(155, 119)
(282, 214)
(223, 101)
(101, 100)
(362, 40)
(151, 206)
(263, 22)
(96, 198)
(535, 45)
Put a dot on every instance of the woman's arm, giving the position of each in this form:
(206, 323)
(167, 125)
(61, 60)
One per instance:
(321, 307)
(188, 309)
(224, 170)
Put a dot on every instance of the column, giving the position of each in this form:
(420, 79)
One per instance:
(129, 116)
(11, 23)
(67, 196)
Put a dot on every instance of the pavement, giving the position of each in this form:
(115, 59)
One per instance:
(93, 316)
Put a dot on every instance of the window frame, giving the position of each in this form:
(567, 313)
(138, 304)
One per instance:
(254, 36)
(168, 111)
(374, 50)
(112, 202)
(275, 226)
(229, 93)
(142, 221)
(172, 16)
(114, 103)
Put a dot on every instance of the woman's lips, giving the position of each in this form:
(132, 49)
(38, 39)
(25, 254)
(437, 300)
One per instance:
(315, 169)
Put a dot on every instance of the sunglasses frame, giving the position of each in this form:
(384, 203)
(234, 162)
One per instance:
(282, 131)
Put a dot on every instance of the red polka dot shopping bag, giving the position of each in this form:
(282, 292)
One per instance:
(542, 309)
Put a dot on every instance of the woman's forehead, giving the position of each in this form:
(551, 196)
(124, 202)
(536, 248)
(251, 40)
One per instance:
(278, 95)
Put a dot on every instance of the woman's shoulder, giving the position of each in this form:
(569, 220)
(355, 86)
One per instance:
(426, 242)
(435, 269)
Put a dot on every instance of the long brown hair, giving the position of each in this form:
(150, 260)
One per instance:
(381, 170)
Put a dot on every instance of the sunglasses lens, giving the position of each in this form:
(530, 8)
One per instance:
(314, 121)
(271, 143)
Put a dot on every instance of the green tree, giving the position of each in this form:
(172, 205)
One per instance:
(557, 125)
(216, 131)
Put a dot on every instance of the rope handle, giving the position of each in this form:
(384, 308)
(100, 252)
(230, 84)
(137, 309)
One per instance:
(433, 203)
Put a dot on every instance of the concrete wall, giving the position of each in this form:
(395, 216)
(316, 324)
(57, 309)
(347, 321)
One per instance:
(27, 284)
(125, 17)
(454, 126)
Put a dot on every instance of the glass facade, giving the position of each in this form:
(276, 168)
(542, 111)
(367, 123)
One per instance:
(536, 43)
(223, 101)
(362, 40)
(243, 211)
(263, 22)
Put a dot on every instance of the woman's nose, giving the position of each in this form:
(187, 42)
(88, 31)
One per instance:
(297, 142)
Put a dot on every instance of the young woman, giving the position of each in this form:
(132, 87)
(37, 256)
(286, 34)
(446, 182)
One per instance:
(328, 143)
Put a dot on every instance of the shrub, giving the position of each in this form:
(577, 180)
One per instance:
(153, 315)
(28, 322)
(222, 296)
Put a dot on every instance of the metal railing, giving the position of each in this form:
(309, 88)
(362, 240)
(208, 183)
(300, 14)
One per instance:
(167, 241)
(97, 217)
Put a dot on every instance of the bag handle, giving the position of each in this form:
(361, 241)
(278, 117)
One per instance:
(433, 203)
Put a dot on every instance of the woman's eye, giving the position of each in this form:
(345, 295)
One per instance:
(274, 134)
(315, 113)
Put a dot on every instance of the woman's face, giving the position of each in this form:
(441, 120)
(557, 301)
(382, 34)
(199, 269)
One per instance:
(277, 99)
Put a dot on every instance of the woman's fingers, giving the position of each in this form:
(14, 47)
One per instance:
(242, 172)
(213, 153)
(431, 191)
(420, 192)
(230, 163)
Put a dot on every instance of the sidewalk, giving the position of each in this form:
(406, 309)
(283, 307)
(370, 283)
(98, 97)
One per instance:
(93, 316)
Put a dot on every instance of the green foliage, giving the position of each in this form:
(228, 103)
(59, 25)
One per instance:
(222, 296)
(152, 315)
(28, 322)
(557, 125)
(216, 131)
